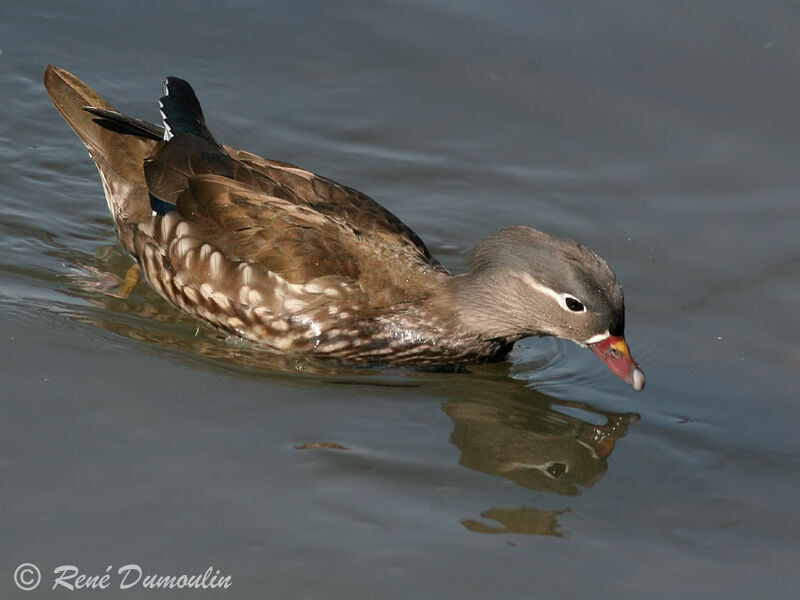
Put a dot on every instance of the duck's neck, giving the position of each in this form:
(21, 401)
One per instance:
(482, 306)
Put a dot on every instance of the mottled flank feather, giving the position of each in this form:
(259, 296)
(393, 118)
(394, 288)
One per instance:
(328, 315)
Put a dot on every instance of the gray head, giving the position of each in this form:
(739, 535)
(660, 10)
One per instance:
(525, 282)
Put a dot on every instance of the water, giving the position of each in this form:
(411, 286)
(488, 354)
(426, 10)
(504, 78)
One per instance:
(663, 135)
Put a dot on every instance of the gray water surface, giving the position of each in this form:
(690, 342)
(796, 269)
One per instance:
(663, 135)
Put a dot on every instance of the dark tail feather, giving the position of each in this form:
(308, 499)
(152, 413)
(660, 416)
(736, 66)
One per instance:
(181, 111)
(119, 123)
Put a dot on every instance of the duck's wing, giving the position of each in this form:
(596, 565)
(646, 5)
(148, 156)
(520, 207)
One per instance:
(340, 202)
(300, 230)
(256, 222)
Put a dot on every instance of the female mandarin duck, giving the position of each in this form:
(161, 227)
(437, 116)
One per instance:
(300, 264)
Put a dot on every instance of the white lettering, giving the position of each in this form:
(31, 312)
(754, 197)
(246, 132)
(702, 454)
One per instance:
(127, 570)
(131, 575)
(64, 573)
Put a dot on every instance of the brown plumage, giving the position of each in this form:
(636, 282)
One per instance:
(294, 261)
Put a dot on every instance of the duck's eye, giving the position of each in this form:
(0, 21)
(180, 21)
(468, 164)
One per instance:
(574, 304)
(556, 470)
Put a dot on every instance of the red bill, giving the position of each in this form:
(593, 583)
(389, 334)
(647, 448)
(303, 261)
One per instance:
(615, 353)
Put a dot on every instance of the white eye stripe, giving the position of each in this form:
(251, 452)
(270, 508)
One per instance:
(561, 298)
(540, 287)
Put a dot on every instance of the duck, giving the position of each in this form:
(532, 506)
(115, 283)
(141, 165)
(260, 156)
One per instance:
(280, 256)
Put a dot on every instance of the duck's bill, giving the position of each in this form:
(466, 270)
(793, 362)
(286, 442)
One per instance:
(615, 353)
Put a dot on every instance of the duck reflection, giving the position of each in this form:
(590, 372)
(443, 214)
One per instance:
(533, 443)
(531, 521)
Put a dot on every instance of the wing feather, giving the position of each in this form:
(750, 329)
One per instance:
(290, 221)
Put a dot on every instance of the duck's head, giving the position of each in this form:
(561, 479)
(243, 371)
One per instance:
(525, 282)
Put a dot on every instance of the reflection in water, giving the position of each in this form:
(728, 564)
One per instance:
(501, 427)
(531, 521)
(519, 434)
(533, 445)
